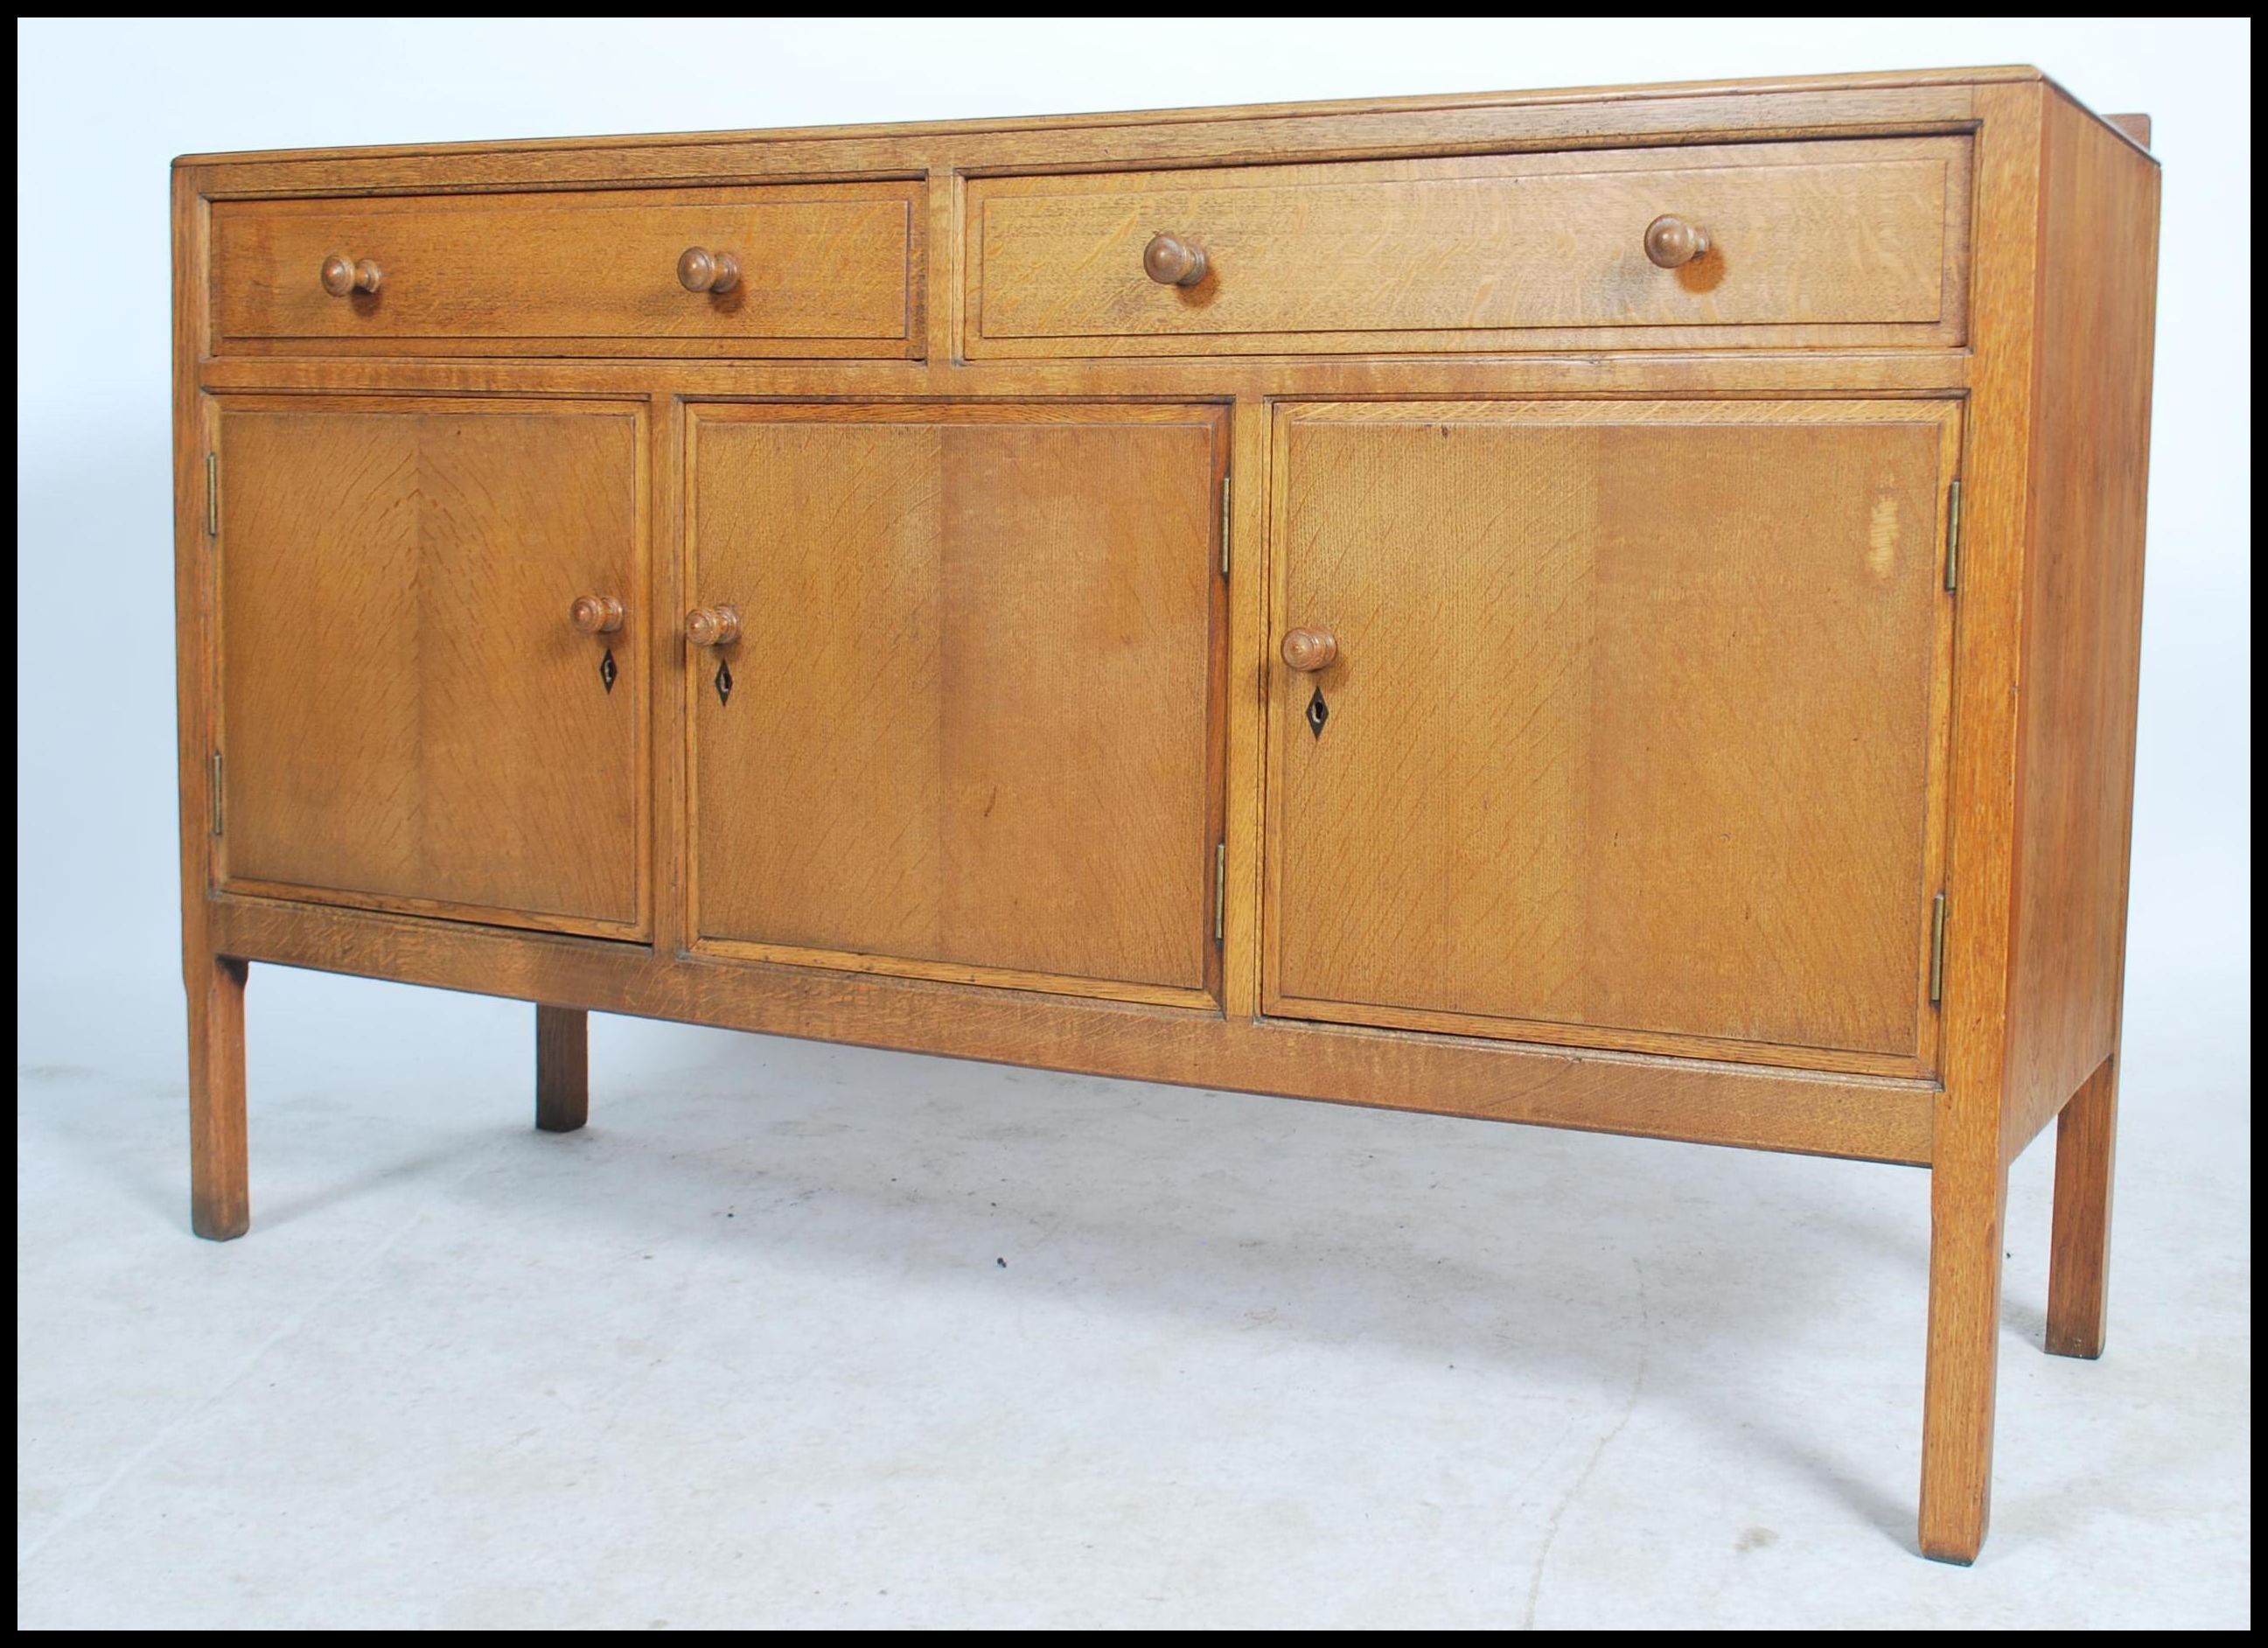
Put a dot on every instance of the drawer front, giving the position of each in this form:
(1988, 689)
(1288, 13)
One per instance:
(1830, 242)
(1614, 723)
(827, 270)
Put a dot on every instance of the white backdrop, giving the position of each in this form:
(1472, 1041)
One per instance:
(103, 106)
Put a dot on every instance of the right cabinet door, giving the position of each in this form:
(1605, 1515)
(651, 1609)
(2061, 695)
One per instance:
(1632, 727)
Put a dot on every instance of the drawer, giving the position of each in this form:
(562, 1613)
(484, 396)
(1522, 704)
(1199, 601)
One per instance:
(1852, 242)
(819, 269)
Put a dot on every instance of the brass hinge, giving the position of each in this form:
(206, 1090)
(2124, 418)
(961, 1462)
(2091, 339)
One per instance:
(212, 495)
(1224, 525)
(1219, 890)
(1953, 538)
(217, 818)
(1937, 951)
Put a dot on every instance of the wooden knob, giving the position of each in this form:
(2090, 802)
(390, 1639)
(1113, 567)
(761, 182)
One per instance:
(342, 275)
(1673, 242)
(1308, 651)
(700, 269)
(713, 626)
(596, 614)
(1172, 262)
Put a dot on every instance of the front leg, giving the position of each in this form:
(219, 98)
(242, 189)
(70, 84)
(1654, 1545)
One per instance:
(1968, 1201)
(220, 1202)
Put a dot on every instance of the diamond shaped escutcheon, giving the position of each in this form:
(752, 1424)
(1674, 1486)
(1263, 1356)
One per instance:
(1318, 712)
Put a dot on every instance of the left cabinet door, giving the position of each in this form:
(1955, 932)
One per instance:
(411, 717)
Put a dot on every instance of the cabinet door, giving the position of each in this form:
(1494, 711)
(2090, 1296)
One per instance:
(972, 729)
(409, 718)
(1634, 733)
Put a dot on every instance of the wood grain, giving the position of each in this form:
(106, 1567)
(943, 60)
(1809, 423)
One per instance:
(1851, 242)
(563, 1068)
(1829, 105)
(406, 714)
(195, 649)
(220, 1204)
(2079, 1255)
(342, 276)
(1871, 1118)
(220, 1197)
(825, 269)
(1968, 1200)
(1629, 729)
(670, 902)
(1172, 262)
(1251, 641)
(1672, 242)
(2083, 639)
(1956, 261)
(1968, 1183)
(1308, 651)
(1681, 370)
(1627, 100)
(701, 270)
(975, 686)
(713, 626)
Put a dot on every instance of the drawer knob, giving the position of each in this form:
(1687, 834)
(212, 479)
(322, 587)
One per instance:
(1673, 242)
(1308, 651)
(713, 626)
(596, 614)
(341, 274)
(701, 270)
(1172, 262)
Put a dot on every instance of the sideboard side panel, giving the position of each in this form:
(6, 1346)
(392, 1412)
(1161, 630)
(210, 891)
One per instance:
(2083, 612)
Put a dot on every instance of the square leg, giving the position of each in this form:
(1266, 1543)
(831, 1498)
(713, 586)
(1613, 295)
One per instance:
(2078, 1260)
(220, 1202)
(1968, 1202)
(563, 1069)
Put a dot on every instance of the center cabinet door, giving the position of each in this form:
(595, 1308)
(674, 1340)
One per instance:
(1634, 733)
(971, 726)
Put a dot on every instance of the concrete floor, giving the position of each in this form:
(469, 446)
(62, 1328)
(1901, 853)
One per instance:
(799, 1336)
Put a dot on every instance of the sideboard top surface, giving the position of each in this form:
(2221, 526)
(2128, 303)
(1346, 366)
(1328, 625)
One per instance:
(1424, 104)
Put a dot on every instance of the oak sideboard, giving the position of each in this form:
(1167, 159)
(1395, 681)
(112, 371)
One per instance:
(1613, 609)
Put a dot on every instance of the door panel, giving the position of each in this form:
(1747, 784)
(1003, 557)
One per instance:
(409, 719)
(1633, 735)
(973, 728)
